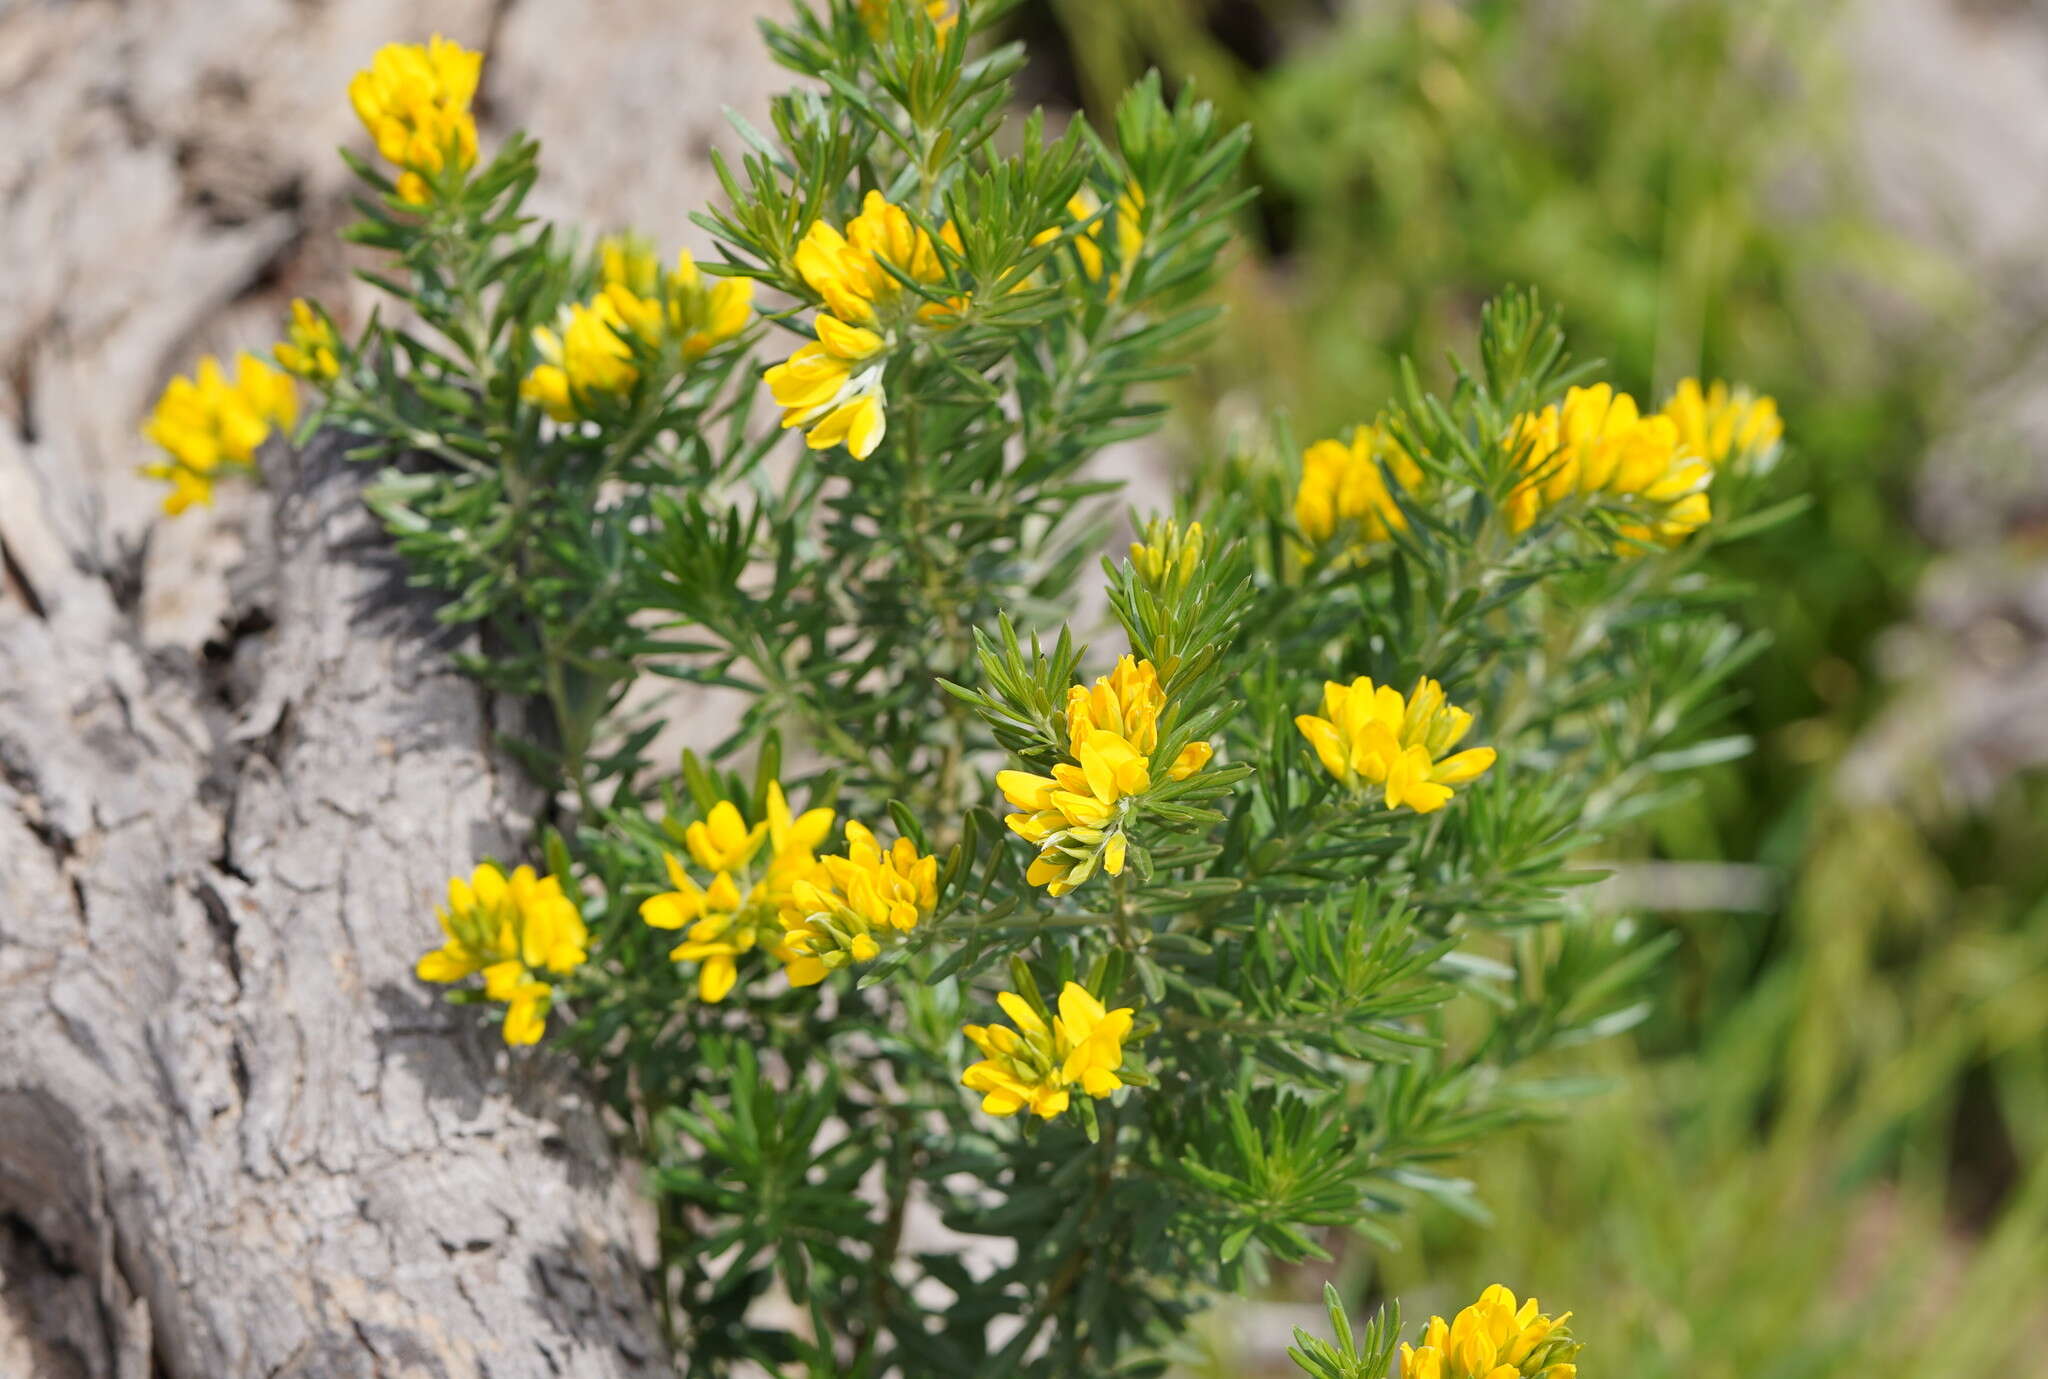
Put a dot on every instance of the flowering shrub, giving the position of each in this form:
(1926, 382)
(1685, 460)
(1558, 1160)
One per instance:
(1305, 939)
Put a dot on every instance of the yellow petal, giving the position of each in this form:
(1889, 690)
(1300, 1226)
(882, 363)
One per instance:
(1020, 1012)
(716, 977)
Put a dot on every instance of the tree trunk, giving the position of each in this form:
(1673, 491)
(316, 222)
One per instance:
(237, 1137)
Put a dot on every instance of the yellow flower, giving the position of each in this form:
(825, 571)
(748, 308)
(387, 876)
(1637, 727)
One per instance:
(414, 100)
(834, 388)
(1130, 233)
(1168, 555)
(1344, 486)
(852, 271)
(510, 930)
(593, 353)
(1076, 815)
(206, 422)
(835, 915)
(740, 910)
(1599, 443)
(188, 486)
(589, 356)
(875, 14)
(705, 317)
(1494, 1339)
(1374, 739)
(1721, 424)
(1033, 1065)
(309, 349)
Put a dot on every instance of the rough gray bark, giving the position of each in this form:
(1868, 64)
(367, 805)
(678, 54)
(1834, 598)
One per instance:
(236, 1136)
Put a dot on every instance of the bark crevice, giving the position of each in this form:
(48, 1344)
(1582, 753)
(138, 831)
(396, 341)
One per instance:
(230, 1119)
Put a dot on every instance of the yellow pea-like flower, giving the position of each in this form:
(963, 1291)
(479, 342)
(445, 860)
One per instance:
(852, 903)
(1599, 443)
(592, 353)
(1033, 1065)
(1129, 218)
(414, 99)
(1494, 1339)
(310, 349)
(833, 388)
(856, 271)
(1726, 426)
(1344, 488)
(1375, 740)
(704, 317)
(206, 424)
(1075, 816)
(875, 14)
(753, 869)
(511, 930)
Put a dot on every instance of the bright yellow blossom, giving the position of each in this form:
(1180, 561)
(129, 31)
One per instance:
(680, 306)
(1344, 487)
(1076, 815)
(875, 14)
(589, 356)
(1494, 1339)
(205, 422)
(309, 349)
(1169, 554)
(740, 910)
(593, 352)
(852, 271)
(1033, 1065)
(833, 386)
(706, 316)
(1373, 739)
(511, 929)
(1599, 443)
(1721, 424)
(414, 100)
(843, 910)
(1129, 216)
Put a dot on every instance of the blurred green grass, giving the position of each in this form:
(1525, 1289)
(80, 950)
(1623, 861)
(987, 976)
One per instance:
(1825, 1155)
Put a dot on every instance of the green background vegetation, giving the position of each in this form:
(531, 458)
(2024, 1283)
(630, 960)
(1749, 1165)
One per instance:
(1823, 1155)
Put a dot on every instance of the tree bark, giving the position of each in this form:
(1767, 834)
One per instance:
(237, 1137)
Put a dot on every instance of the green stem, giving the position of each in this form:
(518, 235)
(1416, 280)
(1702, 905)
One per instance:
(931, 579)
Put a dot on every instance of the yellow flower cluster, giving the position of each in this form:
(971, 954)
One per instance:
(309, 349)
(414, 100)
(833, 387)
(1374, 739)
(1130, 234)
(593, 353)
(741, 909)
(206, 422)
(842, 911)
(1725, 425)
(511, 930)
(1344, 487)
(1033, 1065)
(1598, 442)
(1076, 815)
(875, 14)
(1494, 1339)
